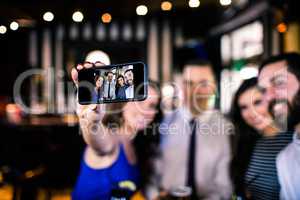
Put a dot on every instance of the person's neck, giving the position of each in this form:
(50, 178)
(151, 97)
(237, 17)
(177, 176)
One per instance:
(195, 113)
(271, 131)
(198, 109)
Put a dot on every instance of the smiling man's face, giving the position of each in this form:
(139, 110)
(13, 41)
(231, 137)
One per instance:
(279, 87)
(129, 77)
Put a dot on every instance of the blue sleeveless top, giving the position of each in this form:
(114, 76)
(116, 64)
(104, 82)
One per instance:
(97, 184)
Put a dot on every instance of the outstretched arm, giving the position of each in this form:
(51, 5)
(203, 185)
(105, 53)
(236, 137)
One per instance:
(101, 143)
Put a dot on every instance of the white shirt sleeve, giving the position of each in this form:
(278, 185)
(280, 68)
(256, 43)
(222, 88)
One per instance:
(288, 170)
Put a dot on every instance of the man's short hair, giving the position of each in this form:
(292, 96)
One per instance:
(198, 62)
(128, 70)
(292, 59)
(110, 72)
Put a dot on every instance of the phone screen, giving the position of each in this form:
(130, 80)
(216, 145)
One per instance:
(113, 83)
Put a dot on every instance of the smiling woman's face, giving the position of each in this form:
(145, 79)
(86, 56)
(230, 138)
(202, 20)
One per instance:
(254, 110)
(99, 82)
(121, 81)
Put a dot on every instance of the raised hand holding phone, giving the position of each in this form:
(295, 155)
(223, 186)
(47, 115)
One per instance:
(109, 130)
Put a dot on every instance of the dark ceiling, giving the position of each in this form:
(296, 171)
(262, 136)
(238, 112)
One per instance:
(92, 9)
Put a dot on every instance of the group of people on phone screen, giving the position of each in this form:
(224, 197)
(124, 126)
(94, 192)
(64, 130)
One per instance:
(110, 88)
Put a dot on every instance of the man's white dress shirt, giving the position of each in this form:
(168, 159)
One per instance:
(288, 169)
(213, 154)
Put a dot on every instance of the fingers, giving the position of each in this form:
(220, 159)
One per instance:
(90, 111)
(74, 71)
(86, 65)
(74, 75)
(99, 64)
(84, 110)
(93, 114)
(79, 67)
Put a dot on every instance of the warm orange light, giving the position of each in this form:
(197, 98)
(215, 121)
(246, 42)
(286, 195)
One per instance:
(106, 18)
(29, 174)
(166, 6)
(1, 177)
(282, 27)
(11, 108)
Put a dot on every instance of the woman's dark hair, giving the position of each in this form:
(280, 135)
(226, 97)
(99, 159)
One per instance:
(146, 141)
(117, 83)
(97, 77)
(102, 86)
(243, 140)
(120, 76)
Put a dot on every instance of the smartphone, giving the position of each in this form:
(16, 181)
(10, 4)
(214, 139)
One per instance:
(113, 83)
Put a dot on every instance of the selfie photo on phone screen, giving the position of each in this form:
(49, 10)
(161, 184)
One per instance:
(113, 83)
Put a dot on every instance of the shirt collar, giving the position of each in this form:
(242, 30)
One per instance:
(186, 113)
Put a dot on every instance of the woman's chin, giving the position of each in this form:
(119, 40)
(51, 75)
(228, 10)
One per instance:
(262, 127)
(258, 128)
(140, 127)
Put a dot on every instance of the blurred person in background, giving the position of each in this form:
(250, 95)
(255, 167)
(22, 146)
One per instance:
(257, 141)
(279, 79)
(109, 87)
(120, 143)
(195, 149)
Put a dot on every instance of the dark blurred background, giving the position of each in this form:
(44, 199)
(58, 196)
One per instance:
(41, 147)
